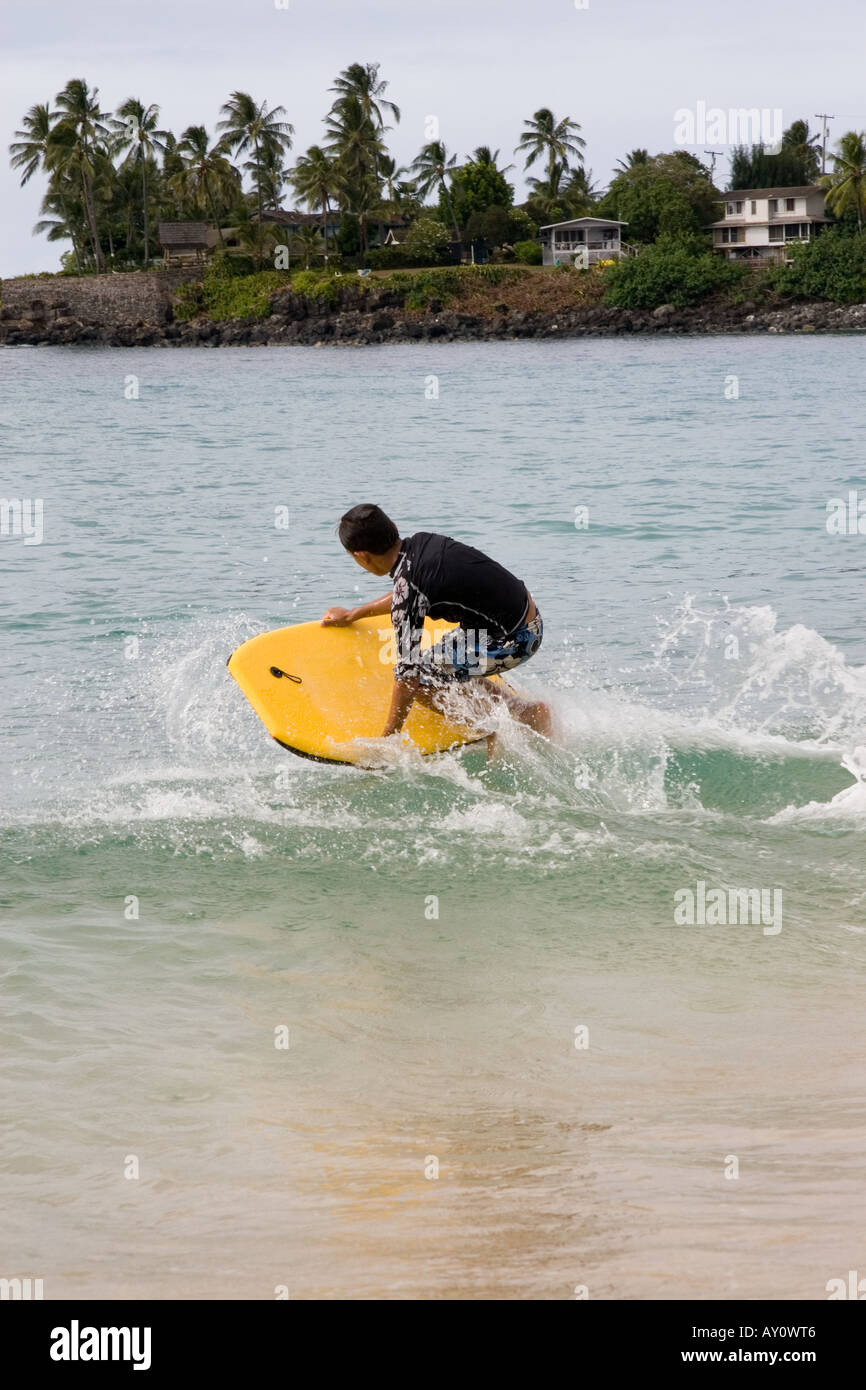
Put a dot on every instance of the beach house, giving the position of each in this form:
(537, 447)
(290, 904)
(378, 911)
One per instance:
(582, 241)
(759, 224)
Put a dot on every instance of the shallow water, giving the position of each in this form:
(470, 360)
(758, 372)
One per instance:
(176, 888)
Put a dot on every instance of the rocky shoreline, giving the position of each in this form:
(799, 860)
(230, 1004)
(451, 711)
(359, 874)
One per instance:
(377, 318)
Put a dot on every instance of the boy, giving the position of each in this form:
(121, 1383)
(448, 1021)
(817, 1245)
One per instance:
(434, 576)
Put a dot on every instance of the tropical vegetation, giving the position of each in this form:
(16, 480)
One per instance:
(111, 176)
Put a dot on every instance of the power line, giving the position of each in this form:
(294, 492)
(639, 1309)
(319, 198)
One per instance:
(716, 154)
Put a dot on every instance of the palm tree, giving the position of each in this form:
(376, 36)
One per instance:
(207, 176)
(483, 154)
(543, 205)
(79, 137)
(137, 131)
(389, 173)
(633, 158)
(430, 169)
(126, 203)
(316, 181)
(172, 163)
(29, 150)
(67, 221)
(251, 127)
(557, 140)
(361, 82)
(580, 194)
(308, 243)
(273, 175)
(804, 146)
(256, 236)
(846, 186)
(355, 144)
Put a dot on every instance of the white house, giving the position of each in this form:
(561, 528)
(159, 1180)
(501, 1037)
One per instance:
(582, 241)
(760, 223)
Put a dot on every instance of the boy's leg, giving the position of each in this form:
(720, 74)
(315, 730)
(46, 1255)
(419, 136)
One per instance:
(534, 713)
(457, 669)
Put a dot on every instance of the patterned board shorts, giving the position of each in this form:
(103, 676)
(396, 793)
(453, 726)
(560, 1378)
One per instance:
(467, 654)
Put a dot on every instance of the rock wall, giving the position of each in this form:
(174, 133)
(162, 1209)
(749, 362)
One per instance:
(102, 301)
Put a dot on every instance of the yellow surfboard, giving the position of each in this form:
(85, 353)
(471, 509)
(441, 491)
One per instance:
(317, 688)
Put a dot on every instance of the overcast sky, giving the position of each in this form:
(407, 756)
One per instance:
(619, 67)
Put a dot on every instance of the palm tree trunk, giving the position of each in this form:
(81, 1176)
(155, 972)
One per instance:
(144, 203)
(259, 182)
(63, 209)
(91, 217)
(450, 207)
(325, 225)
(210, 198)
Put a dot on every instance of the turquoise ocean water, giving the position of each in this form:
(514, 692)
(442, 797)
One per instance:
(580, 1067)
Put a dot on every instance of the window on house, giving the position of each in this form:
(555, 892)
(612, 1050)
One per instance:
(775, 233)
(790, 204)
(730, 234)
(753, 206)
(774, 205)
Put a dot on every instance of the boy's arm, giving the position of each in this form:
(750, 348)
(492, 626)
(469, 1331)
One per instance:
(401, 703)
(340, 617)
(408, 612)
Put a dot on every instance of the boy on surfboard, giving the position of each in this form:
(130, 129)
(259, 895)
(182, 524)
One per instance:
(499, 626)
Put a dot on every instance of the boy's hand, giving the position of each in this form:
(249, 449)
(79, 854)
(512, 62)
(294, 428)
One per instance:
(337, 617)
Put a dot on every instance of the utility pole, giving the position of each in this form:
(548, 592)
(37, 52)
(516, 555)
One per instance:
(824, 116)
(716, 154)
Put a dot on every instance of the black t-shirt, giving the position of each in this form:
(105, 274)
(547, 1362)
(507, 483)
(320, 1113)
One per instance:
(437, 577)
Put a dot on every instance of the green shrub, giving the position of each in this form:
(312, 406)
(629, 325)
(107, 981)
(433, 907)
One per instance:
(242, 297)
(386, 258)
(529, 252)
(225, 294)
(445, 283)
(673, 270)
(189, 301)
(314, 284)
(833, 266)
(428, 238)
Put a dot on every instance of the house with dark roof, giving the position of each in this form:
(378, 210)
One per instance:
(293, 222)
(759, 224)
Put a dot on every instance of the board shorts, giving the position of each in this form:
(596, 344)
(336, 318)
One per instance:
(466, 654)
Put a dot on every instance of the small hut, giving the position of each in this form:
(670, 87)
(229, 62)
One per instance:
(184, 243)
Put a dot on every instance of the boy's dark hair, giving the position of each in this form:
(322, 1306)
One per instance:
(366, 527)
